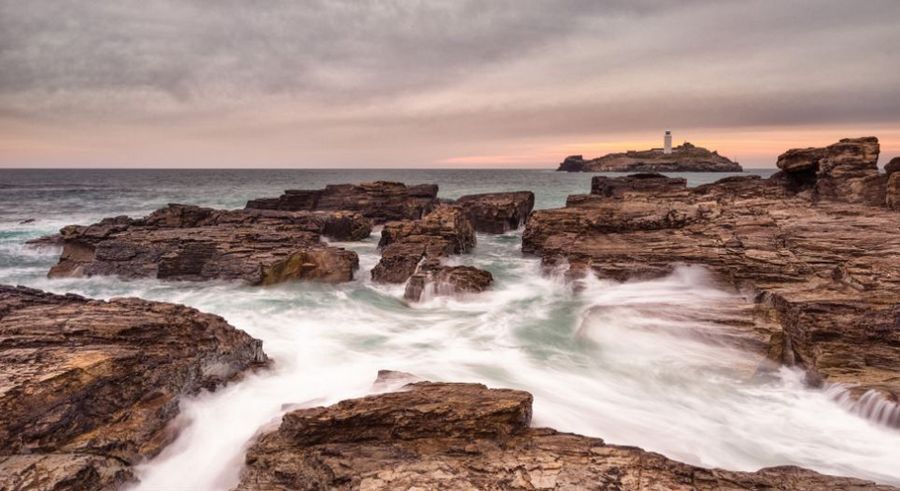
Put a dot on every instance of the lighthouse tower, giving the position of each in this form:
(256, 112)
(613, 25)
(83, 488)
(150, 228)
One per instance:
(667, 143)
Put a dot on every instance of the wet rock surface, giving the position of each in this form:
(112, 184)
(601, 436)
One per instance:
(684, 158)
(466, 436)
(820, 264)
(379, 201)
(182, 242)
(88, 387)
(447, 280)
(443, 232)
(496, 213)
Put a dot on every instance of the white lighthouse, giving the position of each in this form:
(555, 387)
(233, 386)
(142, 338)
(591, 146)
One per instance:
(667, 143)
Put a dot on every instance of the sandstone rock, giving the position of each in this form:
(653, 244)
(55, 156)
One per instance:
(466, 436)
(182, 242)
(447, 280)
(445, 231)
(892, 166)
(496, 213)
(684, 158)
(823, 273)
(379, 201)
(892, 192)
(619, 187)
(87, 387)
(846, 171)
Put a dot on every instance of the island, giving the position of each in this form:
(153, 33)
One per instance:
(683, 158)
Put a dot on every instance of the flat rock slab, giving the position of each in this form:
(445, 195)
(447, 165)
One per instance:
(818, 257)
(87, 387)
(466, 436)
(379, 201)
(183, 242)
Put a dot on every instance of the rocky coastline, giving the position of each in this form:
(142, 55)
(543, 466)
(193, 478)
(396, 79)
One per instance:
(684, 158)
(90, 388)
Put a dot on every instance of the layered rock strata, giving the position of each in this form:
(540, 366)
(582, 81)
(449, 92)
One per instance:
(684, 158)
(466, 436)
(183, 242)
(379, 201)
(812, 245)
(497, 213)
(88, 387)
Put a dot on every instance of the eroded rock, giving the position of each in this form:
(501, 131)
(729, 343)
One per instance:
(846, 171)
(466, 436)
(88, 387)
(447, 280)
(379, 201)
(182, 242)
(496, 213)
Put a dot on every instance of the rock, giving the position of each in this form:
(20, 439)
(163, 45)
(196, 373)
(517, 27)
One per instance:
(822, 272)
(447, 280)
(619, 187)
(892, 192)
(89, 387)
(466, 436)
(379, 201)
(892, 166)
(445, 231)
(497, 213)
(183, 242)
(845, 171)
(684, 158)
(26, 221)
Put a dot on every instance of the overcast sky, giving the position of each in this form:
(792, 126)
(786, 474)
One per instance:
(515, 83)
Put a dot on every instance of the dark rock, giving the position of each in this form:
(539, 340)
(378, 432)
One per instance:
(892, 192)
(88, 387)
(379, 201)
(496, 213)
(636, 183)
(182, 242)
(466, 436)
(447, 280)
(445, 231)
(684, 158)
(892, 166)
(822, 270)
(26, 221)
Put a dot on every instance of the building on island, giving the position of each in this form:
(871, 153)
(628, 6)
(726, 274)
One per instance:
(667, 143)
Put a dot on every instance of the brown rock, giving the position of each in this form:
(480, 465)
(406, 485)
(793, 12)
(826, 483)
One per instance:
(466, 436)
(379, 201)
(892, 192)
(846, 171)
(182, 242)
(445, 231)
(497, 213)
(823, 273)
(448, 280)
(892, 166)
(684, 158)
(88, 387)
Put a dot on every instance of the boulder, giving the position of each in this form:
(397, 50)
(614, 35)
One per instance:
(445, 231)
(379, 201)
(89, 387)
(845, 171)
(892, 166)
(822, 273)
(497, 213)
(183, 242)
(466, 436)
(447, 280)
(684, 158)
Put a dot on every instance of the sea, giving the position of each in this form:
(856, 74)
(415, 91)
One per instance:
(618, 361)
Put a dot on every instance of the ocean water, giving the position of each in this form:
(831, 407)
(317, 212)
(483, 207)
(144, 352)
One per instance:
(626, 362)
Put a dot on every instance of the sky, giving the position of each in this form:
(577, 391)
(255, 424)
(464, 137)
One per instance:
(455, 83)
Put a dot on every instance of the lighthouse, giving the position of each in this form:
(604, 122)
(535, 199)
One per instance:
(667, 143)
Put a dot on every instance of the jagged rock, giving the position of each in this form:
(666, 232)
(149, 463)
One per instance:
(445, 231)
(846, 171)
(466, 436)
(183, 242)
(684, 158)
(496, 213)
(892, 192)
(823, 271)
(87, 387)
(447, 280)
(379, 201)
